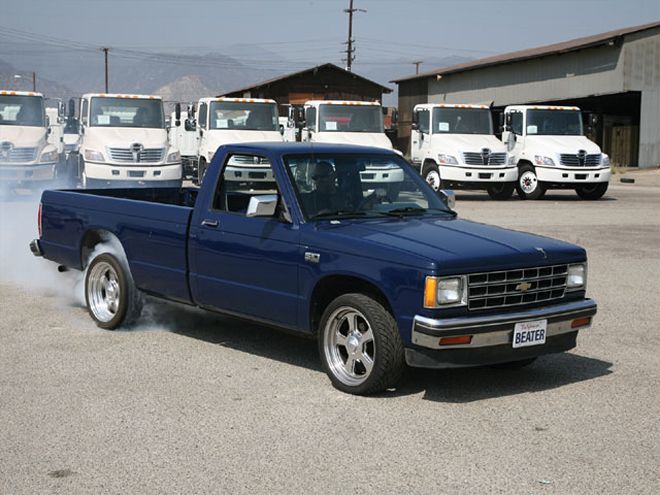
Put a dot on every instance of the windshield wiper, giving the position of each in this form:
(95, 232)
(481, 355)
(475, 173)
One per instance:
(338, 214)
(412, 211)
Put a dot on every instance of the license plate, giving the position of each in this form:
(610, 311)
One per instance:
(529, 333)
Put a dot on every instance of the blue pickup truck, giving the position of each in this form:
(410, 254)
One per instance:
(296, 236)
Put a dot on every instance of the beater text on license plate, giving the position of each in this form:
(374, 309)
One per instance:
(529, 333)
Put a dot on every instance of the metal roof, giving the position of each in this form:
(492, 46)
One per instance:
(299, 73)
(541, 51)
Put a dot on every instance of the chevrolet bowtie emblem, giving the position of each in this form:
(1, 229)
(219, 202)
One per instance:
(523, 287)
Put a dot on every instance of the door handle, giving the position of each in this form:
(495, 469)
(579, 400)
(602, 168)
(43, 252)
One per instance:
(210, 223)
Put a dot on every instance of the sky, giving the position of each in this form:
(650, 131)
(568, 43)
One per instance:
(313, 31)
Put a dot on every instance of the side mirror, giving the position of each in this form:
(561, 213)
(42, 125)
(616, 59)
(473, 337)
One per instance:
(507, 122)
(190, 124)
(448, 197)
(281, 130)
(177, 115)
(414, 126)
(262, 206)
(72, 108)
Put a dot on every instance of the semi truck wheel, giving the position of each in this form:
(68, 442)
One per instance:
(111, 296)
(592, 191)
(528, 185)
(431, 175)
(501, 192)
(360, 345)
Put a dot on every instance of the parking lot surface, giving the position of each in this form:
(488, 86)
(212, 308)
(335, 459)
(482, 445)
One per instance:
(195, 403)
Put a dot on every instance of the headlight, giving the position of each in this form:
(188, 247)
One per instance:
(444, 291)
(544, 160)
(174, 157)
(512, 160)
(576, 278)
(94, 156)
(51, 156)
(605, 160)
(447, 159)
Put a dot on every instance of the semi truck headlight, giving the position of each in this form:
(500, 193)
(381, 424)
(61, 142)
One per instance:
(50, 156)
(605, 160)
(94, 156)
(447, 159)
(576, 278)
(512, 160)
(174, 157)
(444, 291)
(544, 160)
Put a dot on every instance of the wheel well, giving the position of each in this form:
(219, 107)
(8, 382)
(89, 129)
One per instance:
(331, 287)
(428, 161)
(522, 163)
(93, 238)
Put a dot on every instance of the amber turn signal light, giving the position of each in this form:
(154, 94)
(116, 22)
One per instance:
(458, 340)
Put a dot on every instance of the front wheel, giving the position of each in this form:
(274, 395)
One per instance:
(528, 185)
(592, 191)
(111, 296)
(360, 346)
(431, 175)
(501, 192)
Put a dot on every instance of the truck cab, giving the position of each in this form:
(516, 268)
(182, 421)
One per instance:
(27, 158)
(233, 121)
(124, 143)
(454, 146)
(548, 146)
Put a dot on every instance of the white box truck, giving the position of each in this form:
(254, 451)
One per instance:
(455, 147)
(548, 146)
(124, 143)
(27, 158)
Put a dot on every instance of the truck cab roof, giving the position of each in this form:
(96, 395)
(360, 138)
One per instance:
(451, 105)
(121, 95)
(522, 108)
(342, 102)
(237, 100)
(20, 93)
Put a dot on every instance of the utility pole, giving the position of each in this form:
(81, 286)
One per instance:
(105, 51)
(34, 82)
(417, 64)
(349, 44)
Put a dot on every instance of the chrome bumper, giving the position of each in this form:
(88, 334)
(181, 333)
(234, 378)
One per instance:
(497, 329)
(36, 248)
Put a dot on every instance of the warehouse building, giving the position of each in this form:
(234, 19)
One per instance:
(614, 75)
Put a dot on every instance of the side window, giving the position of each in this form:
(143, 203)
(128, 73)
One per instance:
(310, 118)
(201, 115)
(517, 123)
(245, 176)
(83, 112)
(423, 117)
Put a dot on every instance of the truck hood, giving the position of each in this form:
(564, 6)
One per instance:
(375, 139)
(459, 143)
(97, 138)
(23, 137)
(450, 246)
(561, 144)
(217, 138)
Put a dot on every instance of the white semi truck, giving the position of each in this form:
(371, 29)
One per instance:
(455, 147)
(124, 143)
(548, 146)
(237, 120)
(27, 158)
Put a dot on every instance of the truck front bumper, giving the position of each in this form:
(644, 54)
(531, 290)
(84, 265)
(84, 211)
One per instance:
(102, 174)
(27, 173)
(576, 176)
(491, 336)
(486, 175)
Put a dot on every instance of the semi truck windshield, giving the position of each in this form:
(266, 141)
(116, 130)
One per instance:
(22, 110)
(462, 121)
(127, 112)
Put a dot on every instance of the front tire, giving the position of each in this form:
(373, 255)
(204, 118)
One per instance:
(431, 175)
(528, 185)
(360, 345)
(501, 192)
(592, 191)
(111, 296)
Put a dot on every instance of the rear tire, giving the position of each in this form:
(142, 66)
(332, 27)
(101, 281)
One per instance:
(592, 191)
(111, 296)
(431, 175)
(360, 345)
(501, 192)
(528, 185)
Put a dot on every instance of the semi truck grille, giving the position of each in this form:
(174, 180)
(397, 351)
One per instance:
(147, 155)
(516, 287)
(479, 158)
(19, 155)
(569, 160)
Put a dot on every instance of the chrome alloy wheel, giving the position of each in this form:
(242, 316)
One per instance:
(103, 291)
(528, 182)
(348, 343)
(433, 179)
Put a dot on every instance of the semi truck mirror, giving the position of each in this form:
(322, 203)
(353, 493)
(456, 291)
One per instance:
(72, 108)
(507, 122)
(177, 115)
(189, 124)
(414, 126)
(262, 206)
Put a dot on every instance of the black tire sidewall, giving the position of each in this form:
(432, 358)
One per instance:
(501, 192)
(125, 288)
(592, 192)
(431, 167)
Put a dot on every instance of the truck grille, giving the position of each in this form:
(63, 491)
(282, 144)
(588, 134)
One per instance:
(516, 287)
(147, 155)
(19, 155)
(472, 158)
(576, 160)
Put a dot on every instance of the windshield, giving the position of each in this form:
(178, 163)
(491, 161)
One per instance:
(350, 118)
(554, 122)
(22, 110)
(243, 116)
(360, 186)
(127, 112)
(462, 121)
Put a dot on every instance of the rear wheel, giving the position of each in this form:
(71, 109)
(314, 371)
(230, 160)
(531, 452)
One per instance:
(501, 192)
(528, 185)
(431, 175)
(360, 346)
(592, 191)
